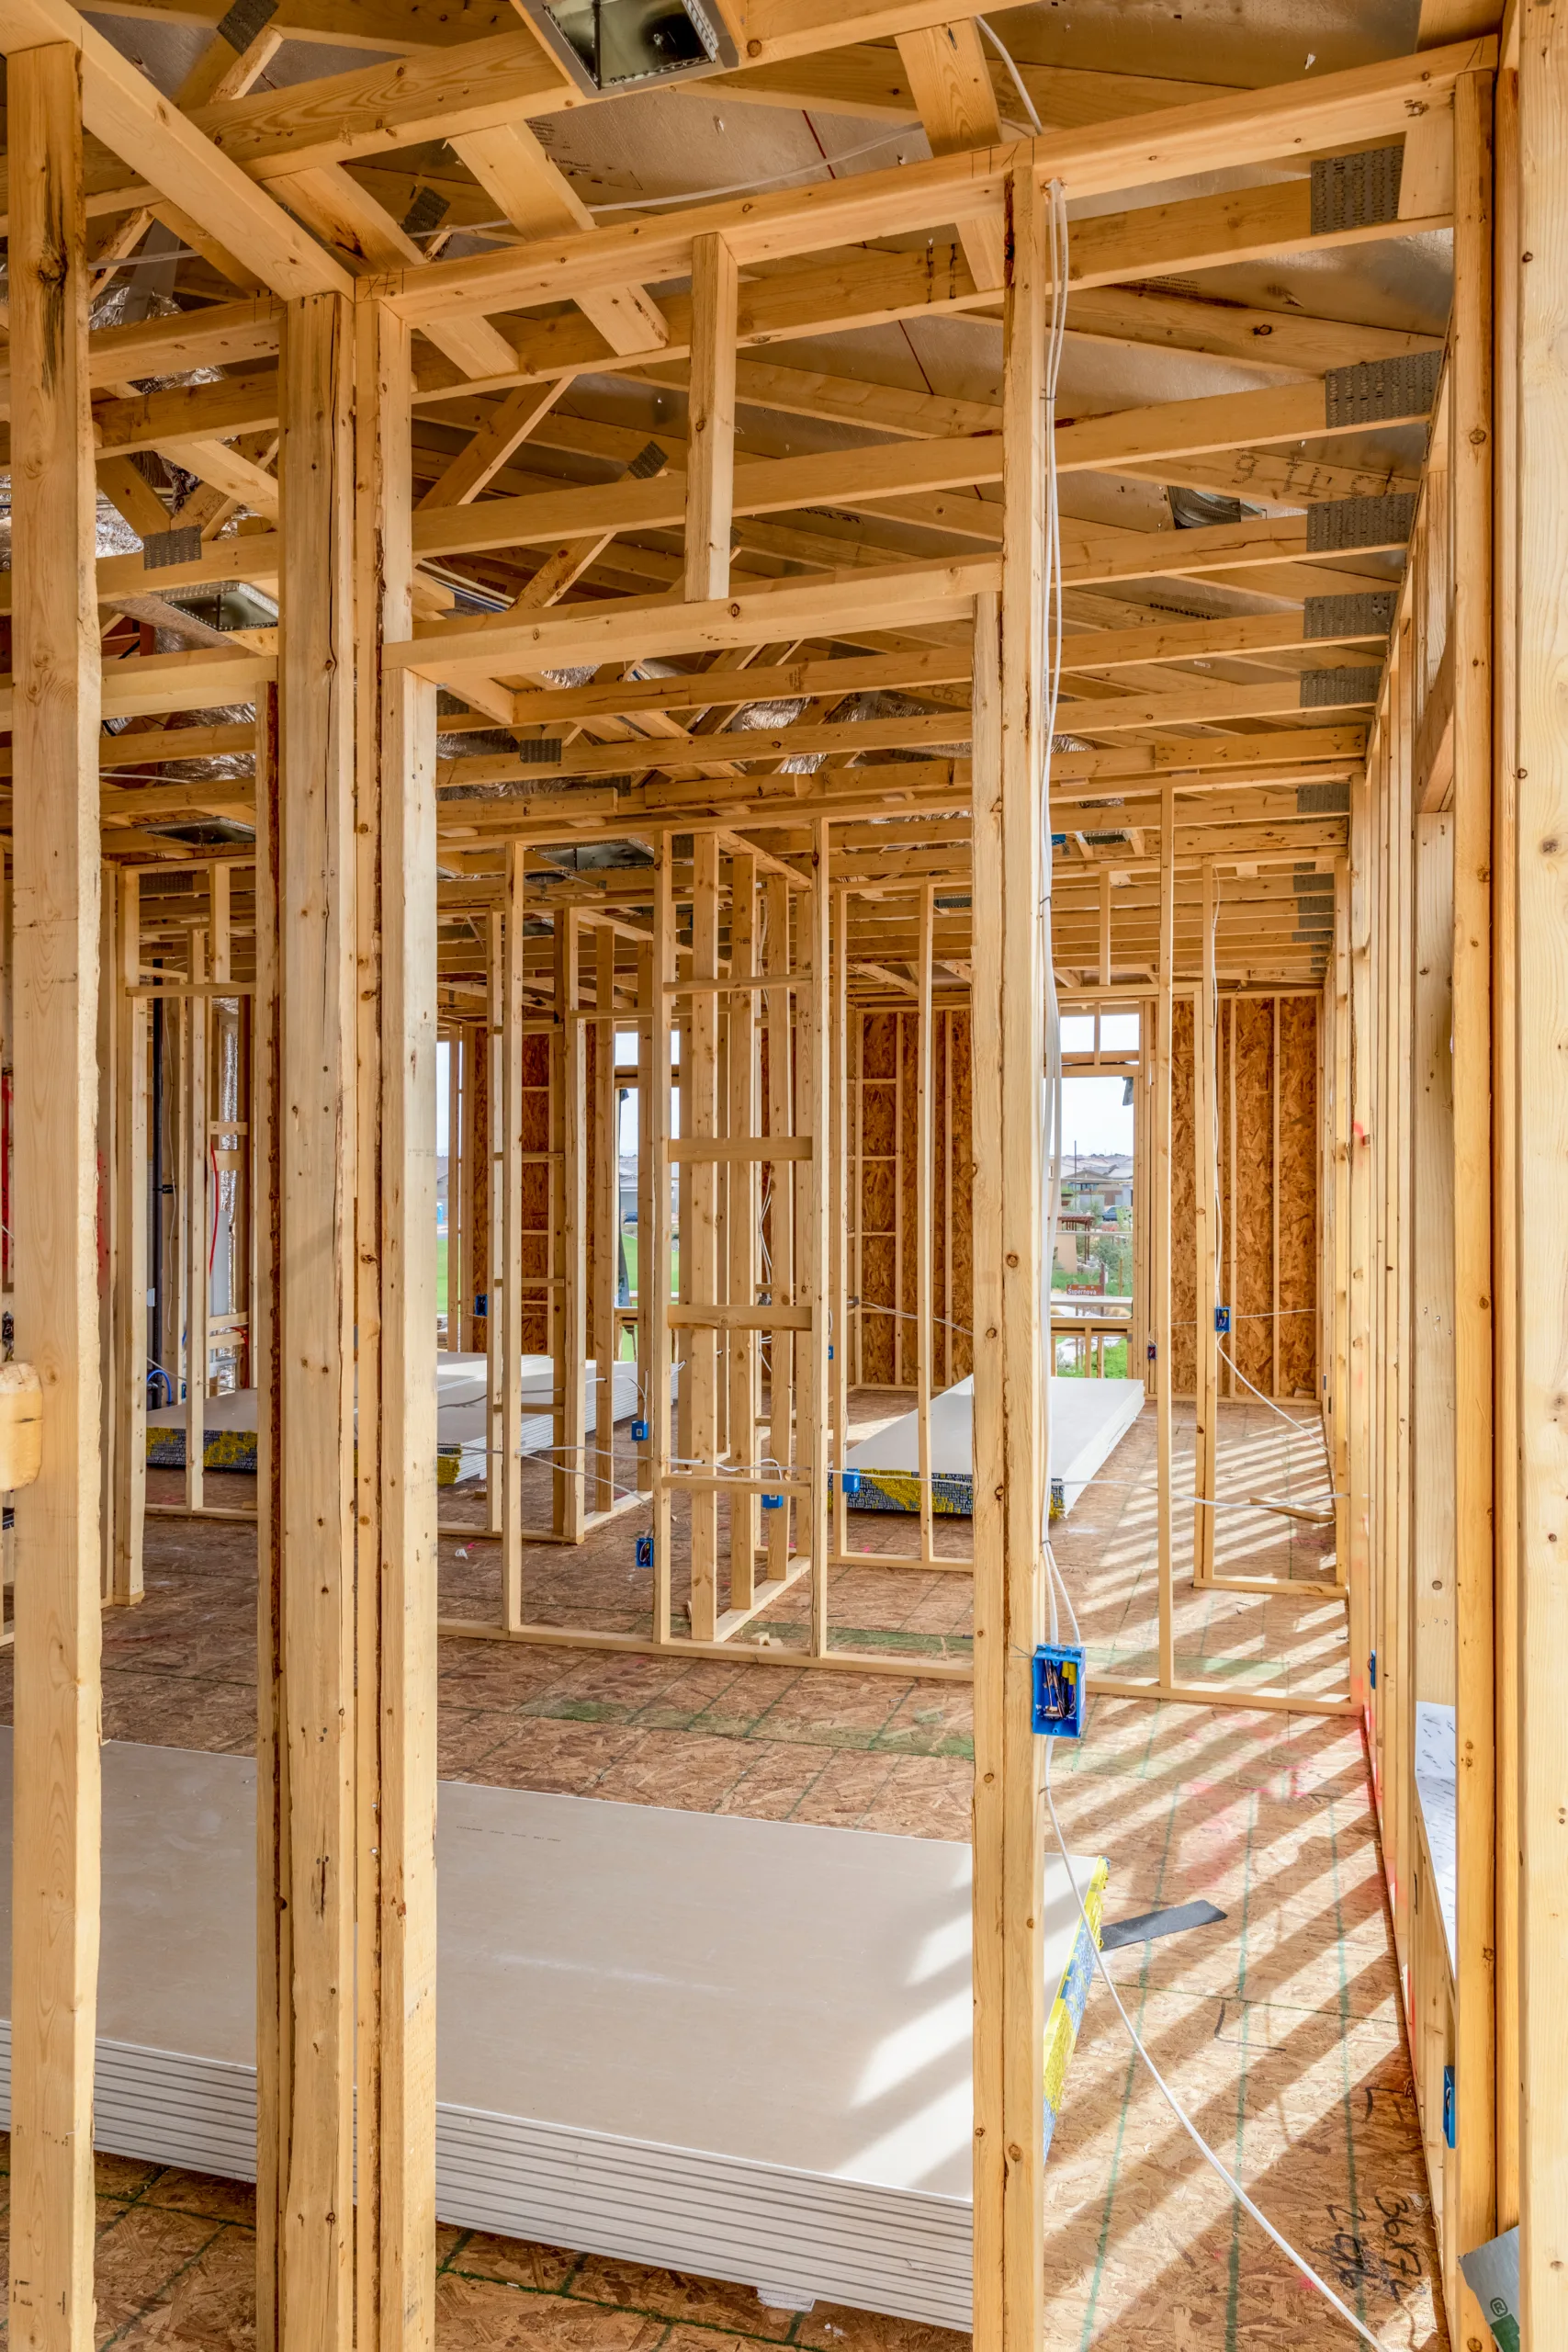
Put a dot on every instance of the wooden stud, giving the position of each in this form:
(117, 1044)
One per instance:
(491, 1151)
(781, 1211)
(650, 1004)
(1432, 1256)
(395, 1688)
(699, 1234)
(569, 1238)
(743, 1356)
(1205, 1181)
(197, 1212)
(1161, 1174)
(275, 1927)
(925, 1182)
(315, 1334)
(605, 1266)
(506, 1315)
(1506, 1288)
(56, 1801)
(130, 1383)
(1011, 1436)
(1538, 622)
(810, 1450)
(654, 1235)
(1470, 411)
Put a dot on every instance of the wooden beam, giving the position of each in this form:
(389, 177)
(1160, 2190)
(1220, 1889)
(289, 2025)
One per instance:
(1357, 107)
(345, 216)
(56, 1799)
(126, 111)
(536, 197)
(637, 629)
(950, 85)
(508, 426)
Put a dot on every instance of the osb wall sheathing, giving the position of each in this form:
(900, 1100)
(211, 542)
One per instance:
(878, 1090)
(538, 1221)
(1246, 1083)
(1299, 1171)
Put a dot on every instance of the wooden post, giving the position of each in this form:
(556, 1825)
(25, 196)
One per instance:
(1539, 623)
(506, 1313)
(1205, 1194)
(1011, 948)
(1164, 1043)
(699, 1238)
(306, 2113)
(395, 1233)
(710, 432)
(129, 1386)
(55, 1915)
(1470, 408)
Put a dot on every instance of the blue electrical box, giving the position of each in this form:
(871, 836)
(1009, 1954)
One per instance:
(772, 1502)
(640, 1432)
(1058, 1690)
(1449, 2106)
(645, 1551)
(852, 1482)
(1221, 1318)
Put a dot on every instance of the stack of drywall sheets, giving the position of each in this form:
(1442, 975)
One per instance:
(462, 1433)
(734, 2047)
(1088, 1420)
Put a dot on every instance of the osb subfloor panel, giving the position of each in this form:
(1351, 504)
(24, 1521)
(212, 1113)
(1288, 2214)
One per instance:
(1279, 2029)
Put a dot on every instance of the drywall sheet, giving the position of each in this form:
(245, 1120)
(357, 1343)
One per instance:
(1088, 1420)
(823, 2147)
(461, 1435)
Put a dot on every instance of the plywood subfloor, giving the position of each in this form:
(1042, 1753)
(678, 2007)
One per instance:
(1279, 2028)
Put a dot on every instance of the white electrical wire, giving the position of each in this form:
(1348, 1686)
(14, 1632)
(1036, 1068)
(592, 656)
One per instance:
(1005, 57)
(1051, 1140)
